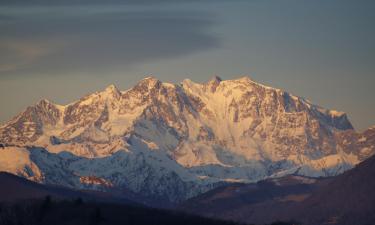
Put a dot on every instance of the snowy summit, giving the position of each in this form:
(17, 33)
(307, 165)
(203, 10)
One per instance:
(174, 141)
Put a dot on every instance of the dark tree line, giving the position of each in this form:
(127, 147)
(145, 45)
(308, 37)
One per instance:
(77, 211)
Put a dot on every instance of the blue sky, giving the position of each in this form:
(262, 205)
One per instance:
(323, 50)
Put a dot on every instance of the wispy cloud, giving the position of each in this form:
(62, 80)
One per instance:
(18, 53)
(94, 38)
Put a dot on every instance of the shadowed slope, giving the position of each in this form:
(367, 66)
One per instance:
(348, 199)
(14, 188)
(345, 199)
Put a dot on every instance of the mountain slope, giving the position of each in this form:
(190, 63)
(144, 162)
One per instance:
(260, 203)
(26, 202)
(17, 189)
(345, 199)
(174, 141)
(348, 199)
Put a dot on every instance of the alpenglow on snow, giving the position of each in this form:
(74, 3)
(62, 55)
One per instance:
(174, 141)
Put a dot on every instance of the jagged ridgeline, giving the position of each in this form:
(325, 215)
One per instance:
(174, 141)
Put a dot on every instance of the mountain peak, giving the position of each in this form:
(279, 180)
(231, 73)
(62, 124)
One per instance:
(111, 88)
(246, 79)
(150, 79)
(43, 101)
(215, 79)
(249, 80)
(213, 83)
(148, 83)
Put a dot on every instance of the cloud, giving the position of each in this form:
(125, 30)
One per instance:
(18, 53)
(88, 39)
(92, 2)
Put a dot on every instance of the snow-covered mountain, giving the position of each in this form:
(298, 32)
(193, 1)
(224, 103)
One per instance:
(174, 141)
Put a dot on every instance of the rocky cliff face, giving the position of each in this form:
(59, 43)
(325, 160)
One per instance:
(174, 141)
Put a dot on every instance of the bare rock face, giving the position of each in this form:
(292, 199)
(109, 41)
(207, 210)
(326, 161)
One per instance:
(28, 126)
(360, 144)
(174, 141)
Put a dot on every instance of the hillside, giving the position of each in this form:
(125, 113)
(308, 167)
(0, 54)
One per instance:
(15, 189)
(345, 199)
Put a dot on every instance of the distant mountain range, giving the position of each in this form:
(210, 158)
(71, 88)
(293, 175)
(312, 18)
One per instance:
(170, 142)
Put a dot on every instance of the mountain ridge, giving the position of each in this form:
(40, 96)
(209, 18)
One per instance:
(191, 135)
